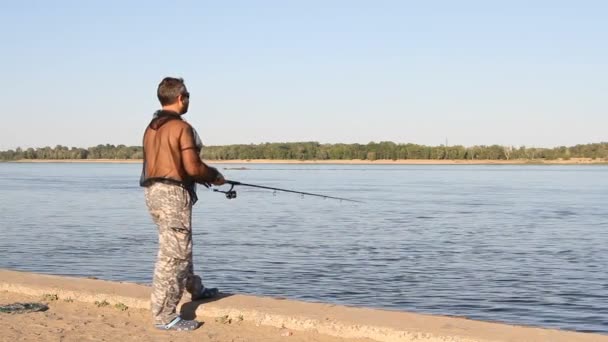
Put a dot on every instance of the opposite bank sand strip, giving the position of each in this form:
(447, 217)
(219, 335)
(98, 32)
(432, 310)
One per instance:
(334, 320)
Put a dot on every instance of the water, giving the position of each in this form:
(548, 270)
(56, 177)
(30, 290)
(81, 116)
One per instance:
(517, 244)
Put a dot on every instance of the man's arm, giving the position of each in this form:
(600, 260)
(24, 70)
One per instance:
(194, 166)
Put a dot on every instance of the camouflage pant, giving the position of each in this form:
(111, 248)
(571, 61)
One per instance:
(171, 210)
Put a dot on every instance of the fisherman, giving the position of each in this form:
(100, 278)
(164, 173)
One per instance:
(171, 168)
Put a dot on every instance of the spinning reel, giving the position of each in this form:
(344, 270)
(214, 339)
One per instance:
(230, 194)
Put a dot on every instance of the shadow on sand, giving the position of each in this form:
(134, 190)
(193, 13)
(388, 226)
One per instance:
(188, 310)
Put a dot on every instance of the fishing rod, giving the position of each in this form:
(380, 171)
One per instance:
(231, 193)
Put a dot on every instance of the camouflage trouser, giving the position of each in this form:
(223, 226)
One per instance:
(171, 210)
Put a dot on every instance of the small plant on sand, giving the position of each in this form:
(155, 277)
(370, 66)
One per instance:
(68, 300)
(241, 318)
(224, 319)
(50, 297)
(102, 303)
(121, 307)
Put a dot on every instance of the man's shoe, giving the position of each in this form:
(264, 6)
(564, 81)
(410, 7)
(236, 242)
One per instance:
(179, 324)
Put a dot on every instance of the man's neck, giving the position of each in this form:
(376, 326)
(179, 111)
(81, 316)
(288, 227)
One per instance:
(171, 108)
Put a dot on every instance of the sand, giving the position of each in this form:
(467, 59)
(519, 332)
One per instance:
(78, 321)
(73, 316)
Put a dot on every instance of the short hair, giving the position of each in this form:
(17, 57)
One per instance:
(169, 89)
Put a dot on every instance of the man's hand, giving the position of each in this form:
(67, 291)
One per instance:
(219, 180)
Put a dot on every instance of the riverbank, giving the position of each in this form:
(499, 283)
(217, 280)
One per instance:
(90, 309)
(572, 161)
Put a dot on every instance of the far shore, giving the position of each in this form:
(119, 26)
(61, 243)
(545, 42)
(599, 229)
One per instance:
(572, 161)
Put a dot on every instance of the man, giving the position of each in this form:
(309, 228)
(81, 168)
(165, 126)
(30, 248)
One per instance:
(171, 169)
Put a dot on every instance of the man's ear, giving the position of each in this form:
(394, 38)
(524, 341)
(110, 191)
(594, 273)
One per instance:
(184, 99)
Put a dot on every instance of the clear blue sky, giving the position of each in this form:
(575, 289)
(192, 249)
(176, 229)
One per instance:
(82, 73)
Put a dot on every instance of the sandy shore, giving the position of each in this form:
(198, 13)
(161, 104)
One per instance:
(68, 320)
(572, 161)
(74, 316)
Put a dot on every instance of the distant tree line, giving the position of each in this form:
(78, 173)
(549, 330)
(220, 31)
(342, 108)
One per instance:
(391, 150)
(62, 152)
(317, 151)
